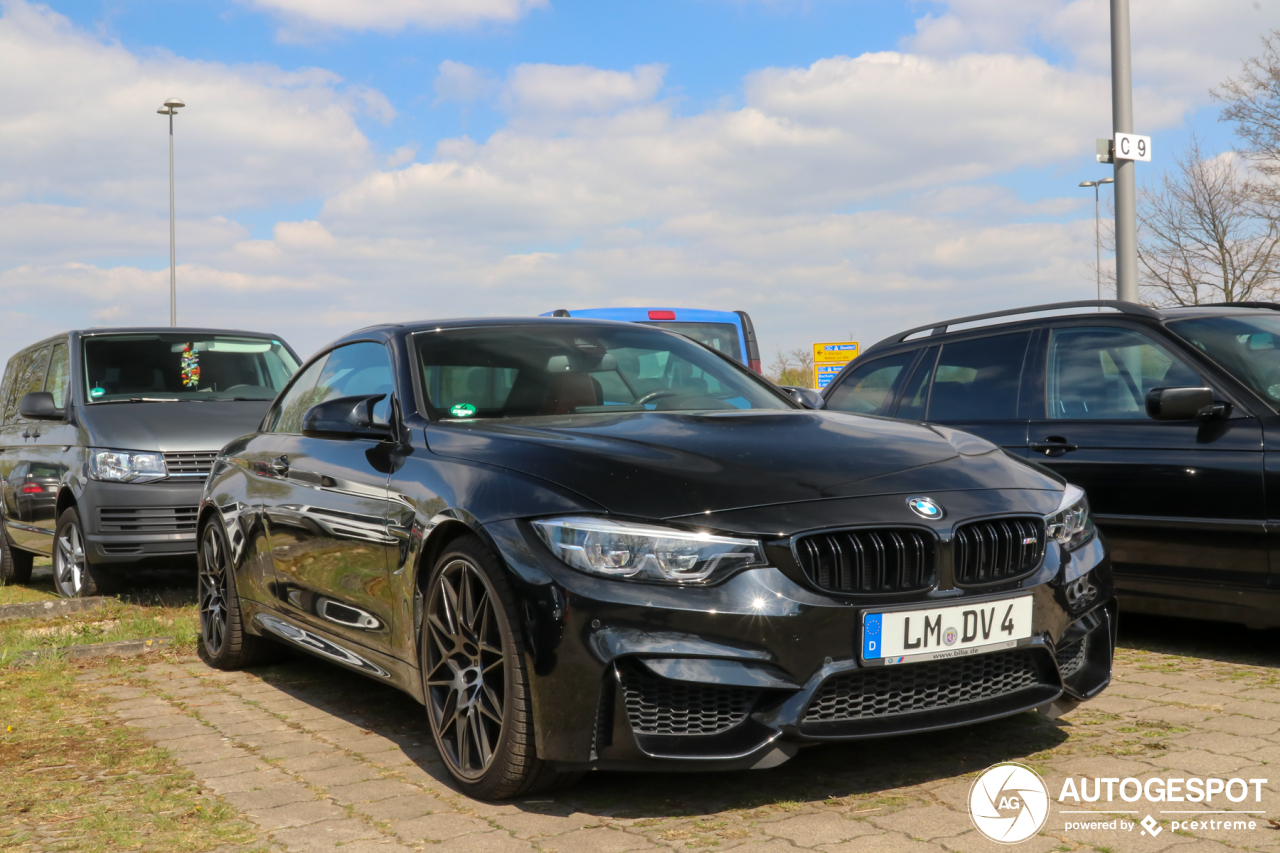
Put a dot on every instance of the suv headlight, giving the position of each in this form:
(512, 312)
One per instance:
(620, 549)
(1071, 525)
(127, 466)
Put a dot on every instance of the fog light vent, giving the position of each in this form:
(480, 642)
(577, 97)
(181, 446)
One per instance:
(1071, 657)
(658, 706)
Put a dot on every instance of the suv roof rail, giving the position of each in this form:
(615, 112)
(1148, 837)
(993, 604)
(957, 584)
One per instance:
(1273, 306)
(941, 327)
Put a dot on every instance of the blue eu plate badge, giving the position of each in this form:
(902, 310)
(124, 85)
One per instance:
(871, 636)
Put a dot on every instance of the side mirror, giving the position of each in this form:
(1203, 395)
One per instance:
(806, 397)
(1181, 404)
(345, 417)
(38, 406)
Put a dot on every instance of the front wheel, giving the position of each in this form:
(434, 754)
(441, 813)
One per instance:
(475, 681)
(224, 642)
(73, 574)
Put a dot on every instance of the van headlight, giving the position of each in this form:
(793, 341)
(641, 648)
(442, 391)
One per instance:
(1072, 525)
(127, 466)
(620, 549)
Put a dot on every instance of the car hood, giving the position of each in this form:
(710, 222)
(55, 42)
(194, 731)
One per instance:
(666, 465)
(175, 426)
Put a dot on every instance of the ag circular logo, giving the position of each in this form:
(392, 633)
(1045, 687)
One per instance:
(1008, 803)
(925, 508)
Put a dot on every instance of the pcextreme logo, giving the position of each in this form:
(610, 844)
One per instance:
(1008, 803)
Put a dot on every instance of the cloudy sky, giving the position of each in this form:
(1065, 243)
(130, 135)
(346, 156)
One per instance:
(835, 167)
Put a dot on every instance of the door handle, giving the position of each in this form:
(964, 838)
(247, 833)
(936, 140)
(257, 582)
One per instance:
(280, 464)
(1054, 445)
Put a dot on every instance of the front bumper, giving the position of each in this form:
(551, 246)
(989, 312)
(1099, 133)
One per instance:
(139, 522)
(745, 673)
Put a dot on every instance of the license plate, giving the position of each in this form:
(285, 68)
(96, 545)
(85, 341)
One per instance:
(905, 636)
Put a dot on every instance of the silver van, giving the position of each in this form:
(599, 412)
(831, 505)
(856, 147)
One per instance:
(117, 429)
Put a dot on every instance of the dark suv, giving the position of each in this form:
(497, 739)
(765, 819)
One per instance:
(1169, 419)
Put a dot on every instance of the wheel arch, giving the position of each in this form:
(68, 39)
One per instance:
(66, 500)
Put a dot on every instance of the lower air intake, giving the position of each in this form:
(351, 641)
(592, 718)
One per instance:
(657, 706)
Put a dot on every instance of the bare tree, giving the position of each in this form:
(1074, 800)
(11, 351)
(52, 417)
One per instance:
(1252, 102)
(793, 367)
(1205, 236)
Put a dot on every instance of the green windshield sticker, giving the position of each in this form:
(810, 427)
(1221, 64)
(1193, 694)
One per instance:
(463, 410)
(97, 392)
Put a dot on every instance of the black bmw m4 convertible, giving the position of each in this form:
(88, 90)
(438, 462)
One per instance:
(583, 544)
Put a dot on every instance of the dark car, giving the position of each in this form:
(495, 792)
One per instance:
(587, 544)
(1169, 419)
(107, 436)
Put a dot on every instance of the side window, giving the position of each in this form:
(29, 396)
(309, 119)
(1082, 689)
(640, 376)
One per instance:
(916, 396)
(977, 380)
(869, 388)
(357, 369)
(29, 369)
(1105, 373)
(287, 414)
(59, 375)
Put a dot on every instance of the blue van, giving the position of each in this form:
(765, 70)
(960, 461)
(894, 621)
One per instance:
(728, 332)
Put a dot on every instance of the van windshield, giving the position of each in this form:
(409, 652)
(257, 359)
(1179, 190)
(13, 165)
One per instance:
(182, 367)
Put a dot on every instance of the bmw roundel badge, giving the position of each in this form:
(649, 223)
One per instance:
(925, 508)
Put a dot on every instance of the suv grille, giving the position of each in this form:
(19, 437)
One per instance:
(1000, 549)
(1071, 658)
(196, 463)
(868, 560)
(656, 706)
(909, 688)
(148, 519)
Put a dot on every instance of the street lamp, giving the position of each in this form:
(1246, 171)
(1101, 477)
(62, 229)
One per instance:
(170, 109)
(1097, 232)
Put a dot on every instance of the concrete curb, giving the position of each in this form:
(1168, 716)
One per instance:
(120, 648)
(57, 607)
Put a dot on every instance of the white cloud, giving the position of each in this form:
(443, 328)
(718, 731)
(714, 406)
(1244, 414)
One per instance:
(78, 120)
(550, 90)
(462, 83)
(392, 15)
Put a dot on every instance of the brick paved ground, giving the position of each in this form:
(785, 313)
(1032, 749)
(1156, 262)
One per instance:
(323, 760)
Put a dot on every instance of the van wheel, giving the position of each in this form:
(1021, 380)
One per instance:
(73, 574)
(224, 642)
(475, 680)
(15, 565)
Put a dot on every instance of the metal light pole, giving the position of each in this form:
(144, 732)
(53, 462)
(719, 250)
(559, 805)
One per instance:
(1097, 231)
(1122, 122)
(170, 109)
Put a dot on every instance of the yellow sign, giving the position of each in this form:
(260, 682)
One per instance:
(830, 358)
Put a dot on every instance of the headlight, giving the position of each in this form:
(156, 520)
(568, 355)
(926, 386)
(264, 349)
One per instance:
(127, 466)
(620, 549)
(1071, 525)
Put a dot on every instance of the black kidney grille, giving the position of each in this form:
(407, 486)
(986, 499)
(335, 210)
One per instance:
(909, 688)
(999, 549)
(1071, 657)
(148, 519)
(656, 706)
(196, 463)
(854, 561)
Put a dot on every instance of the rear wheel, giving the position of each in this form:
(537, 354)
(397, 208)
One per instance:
(15, 565)
(224, 642)
(73, 574)
(474, 677)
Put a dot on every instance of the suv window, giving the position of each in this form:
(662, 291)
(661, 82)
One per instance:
(59, 375)
(978, 380)
(28, 369)
(1105, 373)
(869, 388)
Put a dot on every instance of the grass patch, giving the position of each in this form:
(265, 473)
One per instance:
(68, 767)
(40, 588)
(116, 620)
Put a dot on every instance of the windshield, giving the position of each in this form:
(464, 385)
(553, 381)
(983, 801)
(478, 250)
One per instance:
(721, 337)
(555, 369)
(182, 367)
(1248, 346)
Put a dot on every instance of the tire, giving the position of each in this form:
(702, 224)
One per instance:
(15, 565)
(224, 643)
(472, 657)
(73, 575)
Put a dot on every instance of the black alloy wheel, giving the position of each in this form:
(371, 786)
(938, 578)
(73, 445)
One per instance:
(224, 642)
(474, 678)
